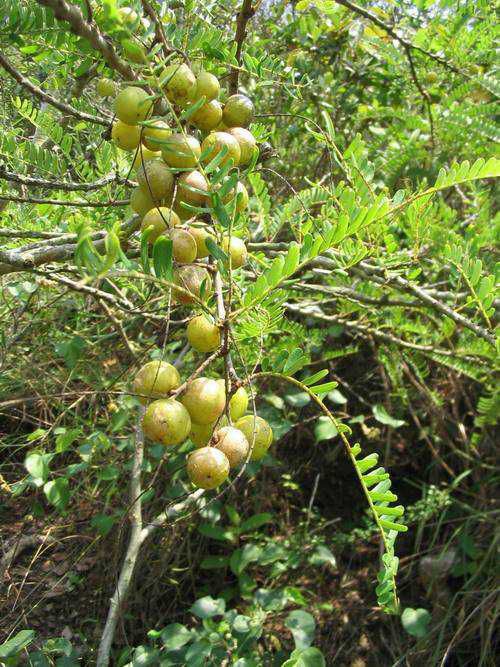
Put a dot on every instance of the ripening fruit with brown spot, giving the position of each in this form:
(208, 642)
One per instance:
(207, 467)
(258, 433)
(204, 399)
(183, 246)
(192, 188)
(216, 142)
(126, 137)
(181, 151)
(238, 111)
(233, 443)
(155, 178)
(141, 202)
(201, 235)
(144, 155)
(207, 86)
(203, 334)
(166, 421)
(106, 87)
(236, 249)
(246, 141)
(208, 116)
(154, 135)
(179, 84)
(132, 105)
(161, 219)
(155, 380)
(192, 278)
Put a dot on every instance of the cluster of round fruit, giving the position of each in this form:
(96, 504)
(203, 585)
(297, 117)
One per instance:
(173, 185)
(224, 436)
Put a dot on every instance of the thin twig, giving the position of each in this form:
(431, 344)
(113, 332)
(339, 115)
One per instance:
(244, 15)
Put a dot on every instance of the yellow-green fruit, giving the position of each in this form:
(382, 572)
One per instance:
(126, 137)
(204, 399)
(106, 87)
(181, 151)
(179, 84)
(203, 334)
(246, 141)
(184, 246)
(191, 278)
(207, 467)
(201, 235)
(132, 105)
(144, 155)
(155, 380)
(134, 51)
(192, 188)
(200, 434)
(141, 202)
(161, 219)
(233, 443)
(215, 142)
(238, 402)
(153, 136)
(258, 433)
(128, 15)
(239, 197)
(207, 85)
(208, 116)
(183, 213)
(237, 250)
(238, 111)
(166, 421)
(155, 178)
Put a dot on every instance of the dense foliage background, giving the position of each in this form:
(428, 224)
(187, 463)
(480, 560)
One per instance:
(377, 132)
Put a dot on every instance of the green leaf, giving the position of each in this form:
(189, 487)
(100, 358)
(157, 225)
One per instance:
(216, 532)
(214, 562)
(163, 258)
(57, 492)
(416, 621)
(336, 397)
(15, 645)
(302, 626)
(271, 600)
(216, 251)
(380, 414)
(38, 467)
(255, 521)
(298, 400)
(323, 556)
(207, 607)
(240, 558)
(175, 636)
(325, 429)
(309, 657)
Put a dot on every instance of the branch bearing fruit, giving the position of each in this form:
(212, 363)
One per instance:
(204, 399)
(166, 421)
(132, 105)
(154, 135)
(207, 86)
(207, 467)
(155, 178)
(160, 219)
(181, 152)
(208, 116)
(233, 443)
(126, 137)
(238, 111)
(236, 249)
(179, 84)
(201, 235)
(203, 335)
(215, 142)
(258, 433)
(247, 143)
(184, 246)
(192, 278)
(155, 380)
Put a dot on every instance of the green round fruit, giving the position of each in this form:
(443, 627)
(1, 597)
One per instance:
(128, 16)
(204, 399)
(236, 249)
(126, 137)
(161, 219)
(154, 135)
(233, 443)
(258, 433)
(166, 421)
(207, 85)
(238, 402)
(106, 87)
(144, 155)
(132, 105)
(192, 188)
(181, 151)
(200, 434)
(215, 142)
(201, 235)
(207, 467)
(155, 178)
(203, 335)
(141, 202)
(247, 143)
(208, 116)
(238, 111)
(191, 278)
(179, 84)
(184, 246)
(155, 380)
